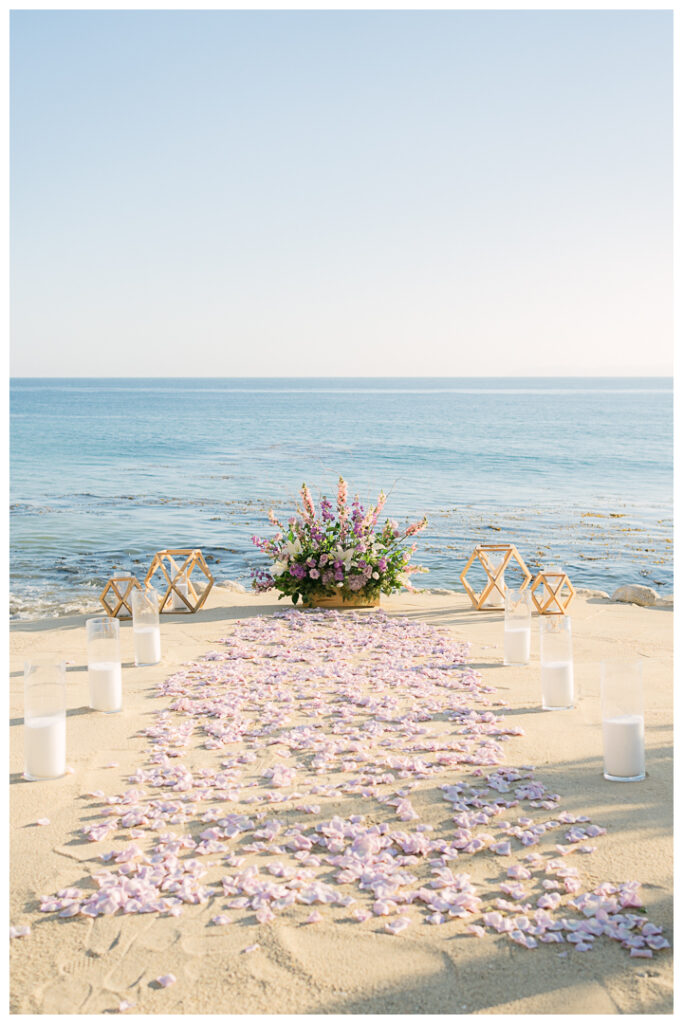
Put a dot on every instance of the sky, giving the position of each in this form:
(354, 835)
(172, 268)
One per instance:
(341, 193)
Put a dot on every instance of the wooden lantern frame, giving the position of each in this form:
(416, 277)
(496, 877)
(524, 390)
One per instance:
(166, 563)
(553, 602)
(121, 596)
(481, 552)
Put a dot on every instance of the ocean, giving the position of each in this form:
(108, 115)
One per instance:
(104, 472)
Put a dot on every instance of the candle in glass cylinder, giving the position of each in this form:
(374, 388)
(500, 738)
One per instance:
(44, 719)
(557, 665)
(623, 721)
(147, 642)
(104, 681)
(517, 627)
(495, 598)
(624, 747)
(517, 645)
(146, 633)
(45, 747)
(177, 604)
(104, 664)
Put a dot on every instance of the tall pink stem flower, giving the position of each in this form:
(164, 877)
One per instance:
(342, 495)
(372, 517)
(309, 507)
(416, 527)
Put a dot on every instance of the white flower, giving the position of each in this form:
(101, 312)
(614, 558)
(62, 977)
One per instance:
(344, 555)
(293, 548)
(375, 575)
(279, 568)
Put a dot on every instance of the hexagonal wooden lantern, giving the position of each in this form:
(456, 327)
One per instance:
(495, 581)
(117, 594)
(556, 592)
(179, 593)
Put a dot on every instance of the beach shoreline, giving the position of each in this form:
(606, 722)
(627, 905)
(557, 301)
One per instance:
(90, 966)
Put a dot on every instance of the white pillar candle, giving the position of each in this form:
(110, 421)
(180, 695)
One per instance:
(517, 645)
(147, 642)
(624, 743)
(178, 604)
(557, 684)
(45, 747)
(104, 681)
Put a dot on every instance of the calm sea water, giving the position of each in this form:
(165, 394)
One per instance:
(106, 472)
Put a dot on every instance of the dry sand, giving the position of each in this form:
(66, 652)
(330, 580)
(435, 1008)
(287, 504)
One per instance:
(337, 966)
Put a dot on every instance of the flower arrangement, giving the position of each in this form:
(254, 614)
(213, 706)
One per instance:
(337, 553)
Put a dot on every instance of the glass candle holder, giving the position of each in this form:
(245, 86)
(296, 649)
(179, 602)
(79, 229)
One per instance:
(104, 664)
(146, 632)
(44, 719)
(557, 665)
(517, 634)
(182, 586)
(623, 721)
(495, 598)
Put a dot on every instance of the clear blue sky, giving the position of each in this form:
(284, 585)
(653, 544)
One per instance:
(347, 193)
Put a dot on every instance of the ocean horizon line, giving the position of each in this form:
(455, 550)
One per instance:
(303, 376)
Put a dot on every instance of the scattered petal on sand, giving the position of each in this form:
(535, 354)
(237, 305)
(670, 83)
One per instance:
(250, 949)
(18, 931)
(43, 821)
(166, 979)
(399, 924)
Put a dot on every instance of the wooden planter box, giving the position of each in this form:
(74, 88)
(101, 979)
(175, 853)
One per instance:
(359, 600)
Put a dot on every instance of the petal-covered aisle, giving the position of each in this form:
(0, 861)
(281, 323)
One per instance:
(351, 767)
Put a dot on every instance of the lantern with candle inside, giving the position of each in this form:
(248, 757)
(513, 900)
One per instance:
(104, 664)
(552, 591)
(171, 570)
(44, 718)
(116, 596)
(623, 721)
(146, 631)
(494, 559)
(517, 631)
(557, 665)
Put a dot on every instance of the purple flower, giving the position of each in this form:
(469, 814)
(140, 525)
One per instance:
(326, 507)
(298, 571)
(314, 574)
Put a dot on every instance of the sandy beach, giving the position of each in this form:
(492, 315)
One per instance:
(315, 955)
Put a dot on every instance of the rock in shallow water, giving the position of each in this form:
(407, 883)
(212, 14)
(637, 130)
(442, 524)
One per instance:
(635, 593)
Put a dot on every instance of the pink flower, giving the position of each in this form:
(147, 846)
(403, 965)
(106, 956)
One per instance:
(309, 507)
(416, 527)
(342, 495)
